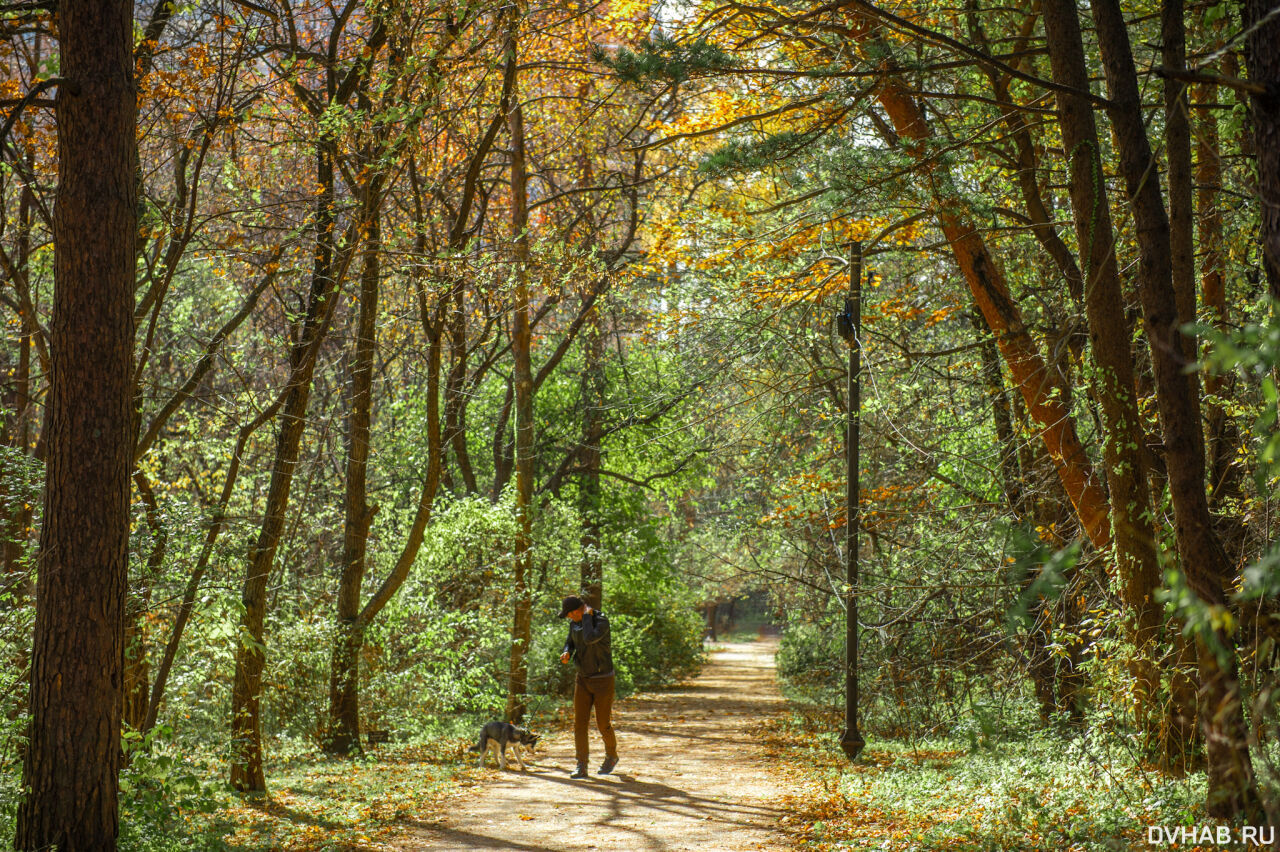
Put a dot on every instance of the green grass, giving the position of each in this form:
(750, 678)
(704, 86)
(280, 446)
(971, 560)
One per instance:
(313, 802)
(1026, 790)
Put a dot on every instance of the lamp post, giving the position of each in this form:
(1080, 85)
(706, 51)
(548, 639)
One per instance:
(850, 328)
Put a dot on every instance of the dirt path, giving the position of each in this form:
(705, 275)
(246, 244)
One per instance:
(687, 779)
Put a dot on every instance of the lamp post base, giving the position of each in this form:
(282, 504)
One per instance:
(852, 743)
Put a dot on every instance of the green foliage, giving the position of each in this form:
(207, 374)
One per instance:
(1254, 350)
(996, 783)
(811, 659)
(1039, 570)
(663, 58)
(750, 155)
(161, 791)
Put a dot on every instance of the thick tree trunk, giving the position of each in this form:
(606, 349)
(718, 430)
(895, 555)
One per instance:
(1110, 334)
(1233, 789)
(344, 675)
(73, 753)
(246, 696)
(523, 379)
(1263, 63)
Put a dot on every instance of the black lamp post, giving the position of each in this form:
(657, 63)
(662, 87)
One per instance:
(850, 328)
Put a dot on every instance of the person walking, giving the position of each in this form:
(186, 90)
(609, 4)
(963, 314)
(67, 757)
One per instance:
(590, 648)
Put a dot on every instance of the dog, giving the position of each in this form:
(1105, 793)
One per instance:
(497, 736)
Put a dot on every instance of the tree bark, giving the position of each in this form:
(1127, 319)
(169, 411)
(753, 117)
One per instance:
(246, 736)
(1233, 789)
(521, 626)
(72, 761)
(1110, 333)
(344, 675)
(1177, 118)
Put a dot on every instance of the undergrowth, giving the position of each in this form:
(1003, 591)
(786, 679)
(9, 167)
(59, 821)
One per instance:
(1025, 790)
(314, 803)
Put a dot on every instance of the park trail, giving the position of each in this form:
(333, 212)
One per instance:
(690, 776)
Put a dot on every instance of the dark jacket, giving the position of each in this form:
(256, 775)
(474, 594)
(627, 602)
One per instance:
(590, 646)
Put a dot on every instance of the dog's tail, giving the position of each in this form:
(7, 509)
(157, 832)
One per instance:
(484, 739)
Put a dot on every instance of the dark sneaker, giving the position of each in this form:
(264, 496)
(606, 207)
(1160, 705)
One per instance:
(607, 766)
(580, 772)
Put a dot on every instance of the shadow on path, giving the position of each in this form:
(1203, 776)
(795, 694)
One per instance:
(689, 778)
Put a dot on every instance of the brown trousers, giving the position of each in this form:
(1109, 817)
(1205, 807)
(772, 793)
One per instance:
(597, 691)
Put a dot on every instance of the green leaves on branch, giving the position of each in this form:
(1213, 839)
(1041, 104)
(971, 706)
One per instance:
(663, 59)
(1254, 348)
(755, 154)
(1041, 572)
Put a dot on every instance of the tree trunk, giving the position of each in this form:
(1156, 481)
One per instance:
(72, 760)
(1110, 333)
(344, 675)
(593, 389)
(246, 735)
(1177, 133)
(1233, 789)
(1263, 63)
(1213, 292)
(523, 379)
(433, 327)
(1222, 439)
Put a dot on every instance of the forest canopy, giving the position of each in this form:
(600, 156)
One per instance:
(343, 339)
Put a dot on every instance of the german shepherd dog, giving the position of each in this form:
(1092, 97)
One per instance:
(497, 736)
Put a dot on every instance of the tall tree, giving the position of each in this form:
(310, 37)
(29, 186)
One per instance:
(1233, 788)
(1110, 334)
(73, 755)
(344, 706)
(523, 381)
(247, 774)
